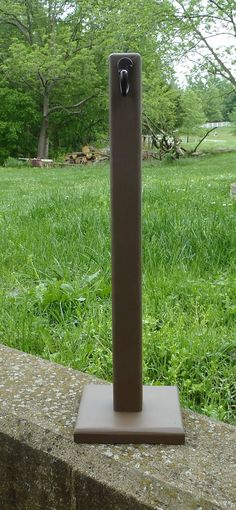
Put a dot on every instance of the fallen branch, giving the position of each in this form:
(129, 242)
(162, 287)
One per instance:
(203, 138)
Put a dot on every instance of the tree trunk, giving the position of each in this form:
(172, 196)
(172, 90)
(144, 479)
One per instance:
(43, 135)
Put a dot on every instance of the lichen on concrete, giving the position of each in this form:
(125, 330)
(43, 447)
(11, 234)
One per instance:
(41, 468)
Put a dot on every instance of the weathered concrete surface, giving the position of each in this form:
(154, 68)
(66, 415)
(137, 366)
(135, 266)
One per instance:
(42, 469)
(233, 190)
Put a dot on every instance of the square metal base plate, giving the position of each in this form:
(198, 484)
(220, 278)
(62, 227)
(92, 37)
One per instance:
(160, 421)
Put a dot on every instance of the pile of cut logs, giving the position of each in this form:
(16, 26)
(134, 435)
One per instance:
(87, 155)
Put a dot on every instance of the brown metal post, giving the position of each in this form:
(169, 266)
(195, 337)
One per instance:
(113, 413)
(125, 139)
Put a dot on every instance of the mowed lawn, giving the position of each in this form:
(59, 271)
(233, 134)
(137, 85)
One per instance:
(55, 292)
(218, 140)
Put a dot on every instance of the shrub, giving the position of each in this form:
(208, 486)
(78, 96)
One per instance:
(14, 163)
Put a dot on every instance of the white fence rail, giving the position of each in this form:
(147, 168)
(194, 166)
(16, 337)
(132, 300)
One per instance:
(216, 124)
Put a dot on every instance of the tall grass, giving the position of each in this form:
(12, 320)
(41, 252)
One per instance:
(55, 297)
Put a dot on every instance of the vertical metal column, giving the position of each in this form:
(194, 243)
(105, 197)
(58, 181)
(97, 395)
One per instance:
(114, 414)
(125, 138)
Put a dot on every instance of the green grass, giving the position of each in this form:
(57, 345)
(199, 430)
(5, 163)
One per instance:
(55, 297)
(219, 139)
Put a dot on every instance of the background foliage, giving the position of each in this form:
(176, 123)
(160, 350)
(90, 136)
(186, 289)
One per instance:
(54, 68)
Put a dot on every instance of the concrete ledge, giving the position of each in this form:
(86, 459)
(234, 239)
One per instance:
(42, 469)
(233, 190)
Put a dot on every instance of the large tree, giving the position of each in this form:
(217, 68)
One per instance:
(206, 31)
(56, 51)
(48, 50)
